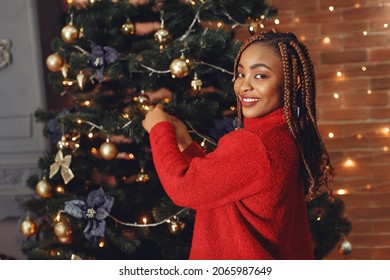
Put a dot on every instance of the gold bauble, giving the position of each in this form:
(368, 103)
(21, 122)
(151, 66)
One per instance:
(54, 62)
(28, 227)
(162, 36)
(196, 84)
(179, 68)
(128, 28)
(43, 188)
(62, 230)
(108, 151)
(69, 33)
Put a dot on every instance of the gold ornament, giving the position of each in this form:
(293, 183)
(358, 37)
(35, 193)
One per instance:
(142, 176)
(81, 79)
(128, 28)
(196, 84)
(345, 247)
(63, 163)
(162, 36)
(28, 227)
(43, 188)
(62, 231)
(143, 100)
(69, 33)
(179, 67)
(108, 150)
(54, 62)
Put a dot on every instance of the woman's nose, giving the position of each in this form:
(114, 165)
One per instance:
(246, 85)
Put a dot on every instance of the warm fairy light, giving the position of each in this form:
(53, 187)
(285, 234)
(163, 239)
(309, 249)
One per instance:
(297, 19)
(77, 145)
(385, 130)
(359, 136)
(219, 24)
(101, 244)
(357, 5)
(87, 103)
(79, 121)
(385, 148)
(331, 134)
(302, 38)
(232, 108)
(60, 189)
(277, 21)
(342, 191)
(339, 73)
(74, 138)
(326, 40)
(368, 187)
(131, 156)
(262, 16)
(145, 107)
(349, 163)
(203, 143)
(365, 33)
(94, 151)
(262, 25)
(144, 220)
(167, 100)
(319, 218)
(331, 8)
(364, 68)
(336, 95)
(90, 135)
(385, 25)
(369, 91)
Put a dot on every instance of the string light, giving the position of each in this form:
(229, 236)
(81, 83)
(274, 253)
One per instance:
(326, 40)
(364, 68)
(349, 163)
(336, 95)
(369, 91)
(342, 191)
(339, 73)
(330, 134)
(331, 8)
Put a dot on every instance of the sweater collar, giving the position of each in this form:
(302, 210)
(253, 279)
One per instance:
(275, 117)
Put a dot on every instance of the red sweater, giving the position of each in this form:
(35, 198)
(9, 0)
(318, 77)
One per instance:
(248, 196)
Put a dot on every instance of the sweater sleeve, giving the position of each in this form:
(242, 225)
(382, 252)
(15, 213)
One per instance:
(222, 176)
(193, 150)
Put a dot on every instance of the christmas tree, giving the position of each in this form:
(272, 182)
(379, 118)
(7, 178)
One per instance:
(98, 196)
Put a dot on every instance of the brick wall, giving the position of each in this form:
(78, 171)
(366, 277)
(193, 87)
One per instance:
(353, 39)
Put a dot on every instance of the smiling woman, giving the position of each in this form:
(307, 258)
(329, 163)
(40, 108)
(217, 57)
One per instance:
(258, 176)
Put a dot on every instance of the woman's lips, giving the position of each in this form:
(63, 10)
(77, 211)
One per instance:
(249, 101)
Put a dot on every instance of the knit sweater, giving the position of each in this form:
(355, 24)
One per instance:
(247, 193)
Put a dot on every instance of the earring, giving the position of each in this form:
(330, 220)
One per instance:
(298, 111)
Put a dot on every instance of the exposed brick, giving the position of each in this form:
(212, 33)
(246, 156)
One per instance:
(380, 113)
(337, 29)
(378, 54)
(358, 40)
(365, 213)
(367, 12)
(293, 4)
(343, 3)
(344, 56)
(347, 114)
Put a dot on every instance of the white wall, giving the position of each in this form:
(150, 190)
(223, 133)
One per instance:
(21, 93)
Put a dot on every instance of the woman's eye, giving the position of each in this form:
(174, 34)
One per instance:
(240, 75)
(260, 76)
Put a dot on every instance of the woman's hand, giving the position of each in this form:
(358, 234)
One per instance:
(155, 115)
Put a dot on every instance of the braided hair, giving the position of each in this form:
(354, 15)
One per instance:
(299, 93)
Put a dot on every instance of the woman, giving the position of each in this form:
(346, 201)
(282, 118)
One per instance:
(249, 193)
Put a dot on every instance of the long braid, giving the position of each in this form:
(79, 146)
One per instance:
(299, 94)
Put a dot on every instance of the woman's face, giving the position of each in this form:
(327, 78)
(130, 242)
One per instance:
(259, 81)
